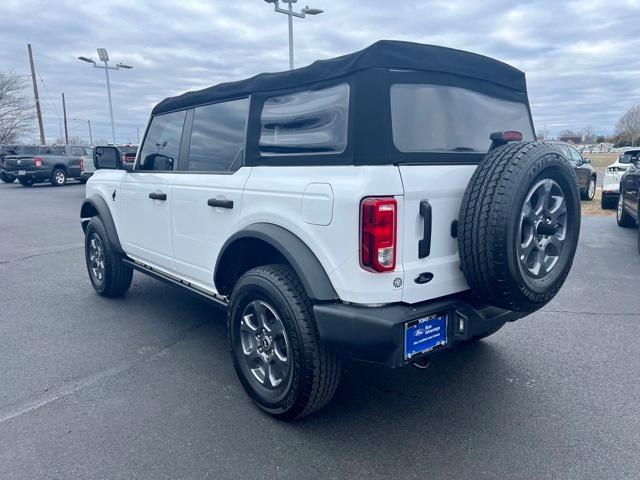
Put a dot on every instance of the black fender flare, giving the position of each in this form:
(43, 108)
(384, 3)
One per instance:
(96, 206)
(312, 274)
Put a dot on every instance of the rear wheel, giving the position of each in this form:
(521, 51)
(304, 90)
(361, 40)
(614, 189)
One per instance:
(519, 226)
(589, 192)
(623, 218)
(6, 178)
(608, 202)
(109, 275)
(58, 177)
(25, 181)
(277, 354)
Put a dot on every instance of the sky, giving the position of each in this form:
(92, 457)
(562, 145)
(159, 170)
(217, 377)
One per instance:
(580, 57)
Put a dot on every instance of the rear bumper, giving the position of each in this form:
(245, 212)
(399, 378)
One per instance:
(376, 334)
(36, 175)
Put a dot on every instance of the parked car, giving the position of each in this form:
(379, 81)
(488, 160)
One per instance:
(628, 212)
(86, 165)
(13, 150)
(587, 176)
(129, 153)
(53, 164)
(380, 206)
(611, 181)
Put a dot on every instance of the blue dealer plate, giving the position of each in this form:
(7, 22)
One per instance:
(425, 334)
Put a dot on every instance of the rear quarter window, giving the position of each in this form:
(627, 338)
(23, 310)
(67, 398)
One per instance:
(305, 123)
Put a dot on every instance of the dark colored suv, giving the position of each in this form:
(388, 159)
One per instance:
(585, 172)
(628, 213)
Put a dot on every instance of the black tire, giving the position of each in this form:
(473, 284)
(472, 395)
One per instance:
(494, 222)
(116, 276)
(608, 203)
(623, 217)
(6, 178)
(589, 192)
(25, 181)
(58, 177)
(313, 371)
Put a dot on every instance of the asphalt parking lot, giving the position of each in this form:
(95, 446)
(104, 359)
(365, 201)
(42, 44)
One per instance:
(143, 387)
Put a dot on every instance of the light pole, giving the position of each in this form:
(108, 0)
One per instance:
(88, 124)
(291, 13)
(104, 57)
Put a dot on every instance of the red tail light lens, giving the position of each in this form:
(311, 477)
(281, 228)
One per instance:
(82, 164)
(378, 234)
(37, 161)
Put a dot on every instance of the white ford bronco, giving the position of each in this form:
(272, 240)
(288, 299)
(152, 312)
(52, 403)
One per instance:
(380, 206)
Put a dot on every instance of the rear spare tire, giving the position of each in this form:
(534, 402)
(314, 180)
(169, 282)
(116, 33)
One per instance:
(519, 225)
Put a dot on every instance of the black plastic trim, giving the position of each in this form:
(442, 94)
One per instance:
(100, 206)
(306, 265)
(424, 245)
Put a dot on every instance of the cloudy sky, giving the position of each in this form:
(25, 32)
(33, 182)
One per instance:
(581, 58)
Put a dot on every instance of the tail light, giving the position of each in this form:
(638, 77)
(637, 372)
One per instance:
(81, 164)
(378, 234)
(38, 161)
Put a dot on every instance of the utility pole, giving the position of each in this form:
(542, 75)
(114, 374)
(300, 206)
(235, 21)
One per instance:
(35, 94)
(90, 136)
(64, 114)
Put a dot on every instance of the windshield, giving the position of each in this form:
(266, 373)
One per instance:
(628, 157)
(125, 150)
(431, 118)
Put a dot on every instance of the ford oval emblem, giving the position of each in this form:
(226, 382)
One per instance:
(424, 277)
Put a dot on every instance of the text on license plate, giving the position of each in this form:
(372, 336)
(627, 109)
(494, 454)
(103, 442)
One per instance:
(21, 172)
(424, 334)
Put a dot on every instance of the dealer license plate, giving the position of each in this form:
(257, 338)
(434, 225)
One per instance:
(425, 334)
(22, 172)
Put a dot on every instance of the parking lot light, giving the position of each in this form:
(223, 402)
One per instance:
(104, 57)
(291, 13)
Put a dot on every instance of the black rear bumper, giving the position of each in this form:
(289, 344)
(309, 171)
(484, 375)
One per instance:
(376, 334)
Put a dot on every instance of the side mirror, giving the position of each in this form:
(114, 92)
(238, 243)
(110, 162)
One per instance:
(586, 160)
(107, 158)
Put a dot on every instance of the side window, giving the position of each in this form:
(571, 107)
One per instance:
(162, 143)
(575, 156)
(218, 136)
(305, 123)
(29, 150)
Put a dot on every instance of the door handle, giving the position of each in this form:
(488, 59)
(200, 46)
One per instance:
(216, 202)
(158, 196)
(424, 245)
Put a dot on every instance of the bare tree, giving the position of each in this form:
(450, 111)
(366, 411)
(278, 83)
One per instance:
(629, 124)
(16, 110)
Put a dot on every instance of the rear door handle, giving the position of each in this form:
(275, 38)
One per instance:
(424, 245)
(158, 196)
(220, 203)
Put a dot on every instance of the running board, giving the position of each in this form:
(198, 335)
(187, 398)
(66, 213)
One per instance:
(164, 277)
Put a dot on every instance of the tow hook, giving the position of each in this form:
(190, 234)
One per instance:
(421, 363)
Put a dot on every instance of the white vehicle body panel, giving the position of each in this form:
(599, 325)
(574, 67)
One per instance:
(199, 230)
(443, 187)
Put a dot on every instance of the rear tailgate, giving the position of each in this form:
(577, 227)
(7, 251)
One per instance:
(15, 163)
(442, 186)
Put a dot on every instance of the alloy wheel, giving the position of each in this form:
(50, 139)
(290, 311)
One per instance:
(265, 345)
(96, 257)
(543, 228)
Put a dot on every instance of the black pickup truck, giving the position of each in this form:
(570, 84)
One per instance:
(13, 150)
(53, 164)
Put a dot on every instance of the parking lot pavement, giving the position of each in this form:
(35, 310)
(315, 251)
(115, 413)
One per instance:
(143, 387)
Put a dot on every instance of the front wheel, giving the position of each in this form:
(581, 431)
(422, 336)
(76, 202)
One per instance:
(109, 275)
(622, 216)
(58, 177)
(277, 354)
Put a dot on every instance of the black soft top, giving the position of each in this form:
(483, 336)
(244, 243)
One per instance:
(387, 54)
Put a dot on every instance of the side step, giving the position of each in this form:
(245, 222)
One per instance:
(164, 277)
